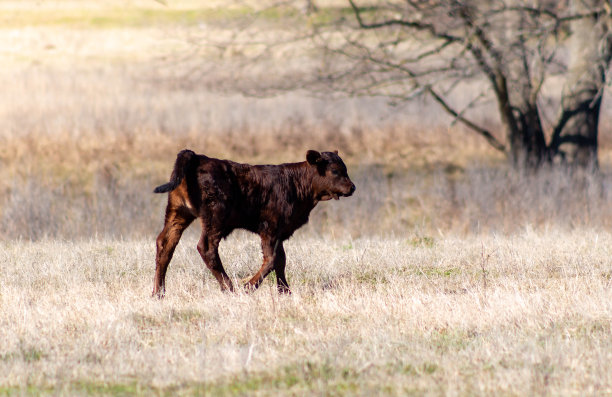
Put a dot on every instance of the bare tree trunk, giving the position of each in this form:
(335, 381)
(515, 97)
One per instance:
(575, 136)
(521, 119)
(512, 44)
(528, 145)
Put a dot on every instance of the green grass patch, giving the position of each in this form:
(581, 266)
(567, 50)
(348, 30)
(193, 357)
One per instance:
(298, 379)
(452, 340)
(186, 316)
(438, 272)
(422, 241)
(371, 277)
(145, 321)
(293, 379)
(118, 17)
(96, 388)
(165, 15)
(29, 354)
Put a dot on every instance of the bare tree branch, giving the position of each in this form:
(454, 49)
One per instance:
(402, 23)
(481, 131)
(400, 49)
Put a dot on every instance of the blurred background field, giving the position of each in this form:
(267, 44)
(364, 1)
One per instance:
(98, 98)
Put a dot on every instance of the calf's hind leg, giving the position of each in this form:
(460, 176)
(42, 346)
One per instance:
(175, 223)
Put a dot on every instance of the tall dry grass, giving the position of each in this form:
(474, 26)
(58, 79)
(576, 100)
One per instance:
(473, 201)
(523, 314)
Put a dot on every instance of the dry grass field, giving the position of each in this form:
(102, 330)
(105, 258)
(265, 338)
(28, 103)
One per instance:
(445, 274)
(527, 314)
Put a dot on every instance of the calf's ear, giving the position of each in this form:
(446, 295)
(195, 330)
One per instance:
(313, 157)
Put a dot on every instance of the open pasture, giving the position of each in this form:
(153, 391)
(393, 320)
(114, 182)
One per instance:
(515, 315)
(445, 274)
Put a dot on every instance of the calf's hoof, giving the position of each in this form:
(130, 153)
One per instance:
(249, 288)
(283, 290)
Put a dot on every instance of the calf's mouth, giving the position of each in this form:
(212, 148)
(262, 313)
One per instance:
(350, 192)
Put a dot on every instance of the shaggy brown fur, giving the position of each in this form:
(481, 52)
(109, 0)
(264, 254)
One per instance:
(270, 200)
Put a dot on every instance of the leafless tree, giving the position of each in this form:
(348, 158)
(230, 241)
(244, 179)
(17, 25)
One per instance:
(404, 48)
(510, 48)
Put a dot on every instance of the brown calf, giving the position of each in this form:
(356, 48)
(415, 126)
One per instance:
(270, 200)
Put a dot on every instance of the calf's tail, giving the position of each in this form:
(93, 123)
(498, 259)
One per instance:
(178, 173)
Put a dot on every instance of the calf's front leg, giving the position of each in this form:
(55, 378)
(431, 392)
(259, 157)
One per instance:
(279, 269)
(269, 247)
(208, 247)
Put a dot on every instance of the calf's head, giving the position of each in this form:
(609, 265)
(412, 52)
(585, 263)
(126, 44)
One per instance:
(331, 179)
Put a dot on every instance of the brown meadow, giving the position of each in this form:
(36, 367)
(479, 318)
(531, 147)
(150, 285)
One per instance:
(446, 273)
